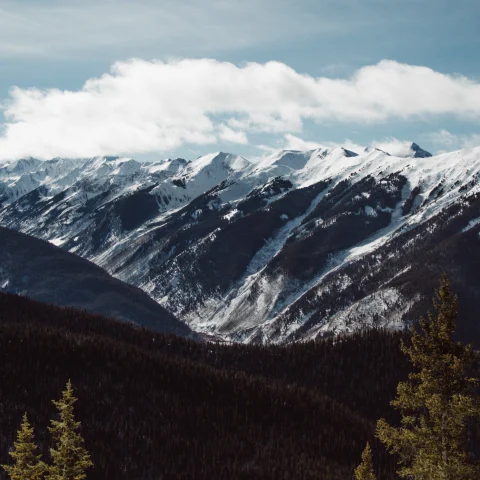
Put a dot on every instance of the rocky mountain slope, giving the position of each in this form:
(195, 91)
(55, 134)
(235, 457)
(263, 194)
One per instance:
(292, 246)
(39, 270)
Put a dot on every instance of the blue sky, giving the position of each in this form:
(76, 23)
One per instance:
(50, 48)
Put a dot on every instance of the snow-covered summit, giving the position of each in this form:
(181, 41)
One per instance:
(215, 167)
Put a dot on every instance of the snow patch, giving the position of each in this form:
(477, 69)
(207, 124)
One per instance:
(371, 212)
(231, 215)
(471, 224)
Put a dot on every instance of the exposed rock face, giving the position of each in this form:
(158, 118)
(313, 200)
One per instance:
(419, 152)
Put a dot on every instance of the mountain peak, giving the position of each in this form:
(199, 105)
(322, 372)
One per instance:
(349, 153)
(418, 151)
(401, 149)
(376, 149)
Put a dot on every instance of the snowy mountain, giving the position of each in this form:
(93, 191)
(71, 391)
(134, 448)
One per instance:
(39, 270)
(292, 246)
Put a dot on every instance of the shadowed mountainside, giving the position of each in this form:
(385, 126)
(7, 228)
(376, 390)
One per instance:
(33, 267)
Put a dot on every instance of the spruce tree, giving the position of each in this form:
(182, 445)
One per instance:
(365, 470)
(70, 459)
(436, 402)
(28, 465)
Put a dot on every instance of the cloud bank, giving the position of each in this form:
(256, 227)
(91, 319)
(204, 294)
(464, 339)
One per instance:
(392, 145)
(157, 106)
(446, 141)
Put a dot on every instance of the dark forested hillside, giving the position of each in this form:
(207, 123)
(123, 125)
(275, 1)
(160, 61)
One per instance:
(40, 270)
(156, 406)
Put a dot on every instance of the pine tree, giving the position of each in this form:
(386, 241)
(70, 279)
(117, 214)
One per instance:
(436, 402)
(365, 470)
(28, 465)
(70, 459)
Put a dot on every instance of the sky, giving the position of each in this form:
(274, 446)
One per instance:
(152, 79)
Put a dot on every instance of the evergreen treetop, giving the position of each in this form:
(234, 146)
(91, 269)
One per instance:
(27, 464)
(437, 400)
(70, 458)
(365, 470)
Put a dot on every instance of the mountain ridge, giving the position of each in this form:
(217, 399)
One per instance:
(244, 249)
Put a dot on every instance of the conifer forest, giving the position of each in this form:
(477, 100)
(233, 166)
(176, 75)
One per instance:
(154, 405)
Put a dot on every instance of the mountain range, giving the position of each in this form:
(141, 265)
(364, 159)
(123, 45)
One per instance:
(292, 246)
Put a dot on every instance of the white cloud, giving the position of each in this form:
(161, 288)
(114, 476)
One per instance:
(232, 136)
(394, 146)
(293, 142)
(296, 143)
(143, 106)
(443, 139)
